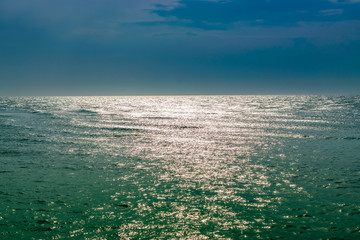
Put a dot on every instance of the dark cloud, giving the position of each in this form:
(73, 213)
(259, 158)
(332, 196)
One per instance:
(221, 14)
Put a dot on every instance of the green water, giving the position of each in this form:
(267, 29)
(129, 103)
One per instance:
(192, 167)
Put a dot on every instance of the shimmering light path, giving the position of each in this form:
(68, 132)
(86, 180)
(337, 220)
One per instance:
(201, 167)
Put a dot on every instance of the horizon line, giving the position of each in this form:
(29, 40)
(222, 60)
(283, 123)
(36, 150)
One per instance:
(189, 95)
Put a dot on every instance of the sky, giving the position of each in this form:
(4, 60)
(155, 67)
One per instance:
(179, 47)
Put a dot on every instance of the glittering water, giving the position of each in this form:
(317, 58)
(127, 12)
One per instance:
(202, 167)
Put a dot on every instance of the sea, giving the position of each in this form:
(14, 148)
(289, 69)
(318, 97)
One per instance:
(180, 167)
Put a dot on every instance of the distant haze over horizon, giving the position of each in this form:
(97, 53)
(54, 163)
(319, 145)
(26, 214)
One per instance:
(179, 47)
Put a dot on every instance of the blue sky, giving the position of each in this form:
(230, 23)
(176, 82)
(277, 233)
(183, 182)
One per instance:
(157, 47)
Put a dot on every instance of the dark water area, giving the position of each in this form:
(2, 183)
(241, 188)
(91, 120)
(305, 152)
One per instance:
(189, 167)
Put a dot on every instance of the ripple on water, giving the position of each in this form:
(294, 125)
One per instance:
(211, 167)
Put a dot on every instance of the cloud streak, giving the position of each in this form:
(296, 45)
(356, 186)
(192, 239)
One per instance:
(222, 14)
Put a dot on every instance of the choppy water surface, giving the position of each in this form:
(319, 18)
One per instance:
(202, 167)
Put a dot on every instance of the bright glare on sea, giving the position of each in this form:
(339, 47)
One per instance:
(189, 167)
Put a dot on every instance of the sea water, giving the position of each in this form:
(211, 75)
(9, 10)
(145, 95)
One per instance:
(183, 167)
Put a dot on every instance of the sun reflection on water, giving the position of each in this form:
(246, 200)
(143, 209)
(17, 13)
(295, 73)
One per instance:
(209, 167)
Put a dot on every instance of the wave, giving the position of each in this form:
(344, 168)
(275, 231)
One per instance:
(341, 138)
(10, 152)
(122, 129)
(188, 127)
(85, 111)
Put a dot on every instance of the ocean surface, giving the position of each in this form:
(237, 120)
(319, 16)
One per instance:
(184, 167)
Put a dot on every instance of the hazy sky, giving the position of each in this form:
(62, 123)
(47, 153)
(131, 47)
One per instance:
(156, 47)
